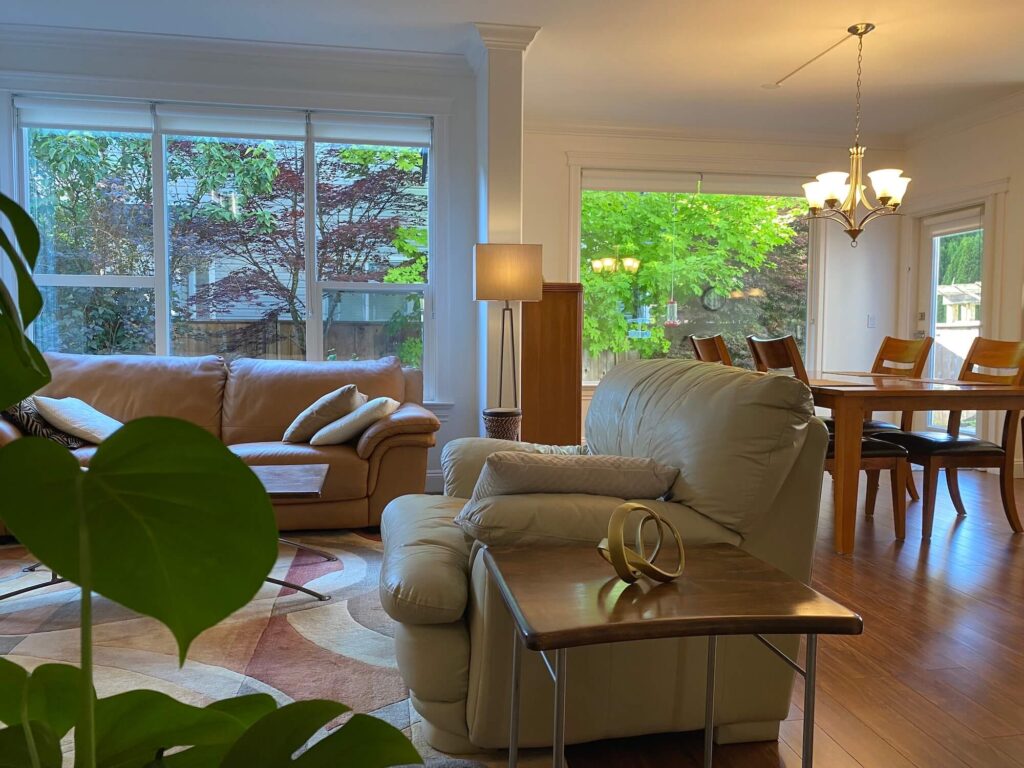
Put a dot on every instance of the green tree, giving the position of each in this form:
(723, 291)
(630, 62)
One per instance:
(686, 242)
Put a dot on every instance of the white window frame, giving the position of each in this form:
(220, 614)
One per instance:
(159, 282)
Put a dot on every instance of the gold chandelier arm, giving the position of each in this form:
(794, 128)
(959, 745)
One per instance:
(836, 214)
(875, 213)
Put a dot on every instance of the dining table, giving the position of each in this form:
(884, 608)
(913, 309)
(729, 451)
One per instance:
(852, 395)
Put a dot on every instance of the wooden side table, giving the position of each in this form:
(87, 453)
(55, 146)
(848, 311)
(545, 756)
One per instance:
(559, 599)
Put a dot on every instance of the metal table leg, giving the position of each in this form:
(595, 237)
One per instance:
(298, 587)
(709, 701)
(558, 749)
(517, 673)
(810, 666)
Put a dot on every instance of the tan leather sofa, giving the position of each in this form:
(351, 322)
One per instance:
(249, 404)
(750, 454)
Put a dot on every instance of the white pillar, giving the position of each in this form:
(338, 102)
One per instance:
(497, 58)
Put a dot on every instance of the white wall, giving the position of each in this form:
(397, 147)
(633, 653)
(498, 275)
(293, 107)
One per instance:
(152, 67)
(961, 164)
(856, 281)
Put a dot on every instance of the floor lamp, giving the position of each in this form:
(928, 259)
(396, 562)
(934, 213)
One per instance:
(507, 272)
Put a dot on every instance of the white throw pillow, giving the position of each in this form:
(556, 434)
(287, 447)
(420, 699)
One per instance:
(354, 424)
(329, 408)
(76, 418)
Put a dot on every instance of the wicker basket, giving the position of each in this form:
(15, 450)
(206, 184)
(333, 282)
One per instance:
(503, 423)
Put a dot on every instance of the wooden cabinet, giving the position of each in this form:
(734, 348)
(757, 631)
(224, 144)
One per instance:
(552, 365)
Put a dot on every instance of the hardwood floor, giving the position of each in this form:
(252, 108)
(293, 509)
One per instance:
(937, 678)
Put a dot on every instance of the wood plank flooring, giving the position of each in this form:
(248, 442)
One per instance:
(937, 679)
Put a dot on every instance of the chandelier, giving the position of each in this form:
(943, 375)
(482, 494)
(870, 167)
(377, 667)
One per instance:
(837, 195)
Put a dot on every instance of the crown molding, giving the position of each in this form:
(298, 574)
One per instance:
(214, 50)
(964, 121)
(505, 37)
(885, 143)
(750, 165)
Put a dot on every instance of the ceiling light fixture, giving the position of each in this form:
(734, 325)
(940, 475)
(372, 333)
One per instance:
(837, 195)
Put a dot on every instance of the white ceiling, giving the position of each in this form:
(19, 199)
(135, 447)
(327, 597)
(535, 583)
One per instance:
(688, 67)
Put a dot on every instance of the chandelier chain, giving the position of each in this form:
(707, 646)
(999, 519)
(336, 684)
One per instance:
(860, 64)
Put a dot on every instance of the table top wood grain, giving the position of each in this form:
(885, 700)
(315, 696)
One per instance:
(563, 597)
(292, 481)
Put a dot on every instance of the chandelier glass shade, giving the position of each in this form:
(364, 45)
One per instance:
(842, 196)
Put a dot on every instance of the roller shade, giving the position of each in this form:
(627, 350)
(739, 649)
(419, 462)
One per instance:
(83, 113)
(388, 130)
(682, 181)
(188, 120)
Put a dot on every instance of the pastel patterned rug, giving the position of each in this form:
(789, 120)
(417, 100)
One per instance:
(284, 642)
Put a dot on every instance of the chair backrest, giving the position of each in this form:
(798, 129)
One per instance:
(991, 354)
(777, 354)
(902, 357)
(711, 349)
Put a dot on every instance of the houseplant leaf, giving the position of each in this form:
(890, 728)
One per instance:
(363, 741)
(272, 740)
(132, 727)
(12, 689)
(245, 709)
(52, 695)
(178, 528)
(15, 751)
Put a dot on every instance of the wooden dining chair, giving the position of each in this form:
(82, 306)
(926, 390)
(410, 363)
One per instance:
(952, 451)
(710, 349)
(875, 455)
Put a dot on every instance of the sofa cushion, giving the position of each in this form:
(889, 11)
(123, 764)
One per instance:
(734, 434)
(346, 476)
(463, 459)
(352, 425)
(507, 473)
(424, 578)
(78, 418)
(262, 397)
(127, 387)
(26, 418)
(573, 518)
(331, 407)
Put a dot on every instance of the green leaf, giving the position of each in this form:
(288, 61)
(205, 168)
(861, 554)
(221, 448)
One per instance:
(12, 688)
(272, 740)
(178, 527)
(30, 300)
(363, 741)
(25, 230)
(14, 748)
(132, 727)
(52, 696)
(245, 709)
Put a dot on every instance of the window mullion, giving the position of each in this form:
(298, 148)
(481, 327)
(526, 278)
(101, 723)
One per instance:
(314, 323)
(161, 256)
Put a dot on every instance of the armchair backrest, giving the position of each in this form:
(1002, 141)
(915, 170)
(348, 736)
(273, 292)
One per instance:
(733, 434)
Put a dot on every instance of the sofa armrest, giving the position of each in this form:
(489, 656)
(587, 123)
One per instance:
(463, 459)
(424, 577)
(410, 418)
(8, 432)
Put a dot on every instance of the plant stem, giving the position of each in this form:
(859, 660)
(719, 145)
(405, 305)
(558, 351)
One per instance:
(85, 731)
(30, 738)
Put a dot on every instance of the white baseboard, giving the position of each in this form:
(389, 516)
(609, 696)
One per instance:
(435, 481)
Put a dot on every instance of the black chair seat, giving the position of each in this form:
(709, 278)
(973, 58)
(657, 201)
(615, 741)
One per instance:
(870, 426)
(873, 449)
(941, 443)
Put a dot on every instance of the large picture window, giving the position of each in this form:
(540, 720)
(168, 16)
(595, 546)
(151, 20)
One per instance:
(192, 230)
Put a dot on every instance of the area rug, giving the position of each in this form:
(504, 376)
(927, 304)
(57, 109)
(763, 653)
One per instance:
(284, 642)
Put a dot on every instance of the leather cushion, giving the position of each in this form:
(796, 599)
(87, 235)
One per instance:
(462, 459)
(409, 419)
(346, 477)
(507, 473)
(870, 425)
(25, 417)
(564, 518)
(78, 418)
(127, 387)
(734, 434)
(935, 443)
(262, 397)
(328, 408)
(873, 449)
(352, 425)
(424, 577)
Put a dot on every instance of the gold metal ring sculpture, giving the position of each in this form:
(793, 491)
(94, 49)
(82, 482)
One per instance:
(629, 563)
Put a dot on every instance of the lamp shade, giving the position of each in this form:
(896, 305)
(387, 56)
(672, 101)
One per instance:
(508, 272)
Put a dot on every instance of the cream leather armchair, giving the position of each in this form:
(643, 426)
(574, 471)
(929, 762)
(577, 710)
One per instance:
(750, 454)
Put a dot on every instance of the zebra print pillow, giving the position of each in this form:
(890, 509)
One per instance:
(25, 417)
